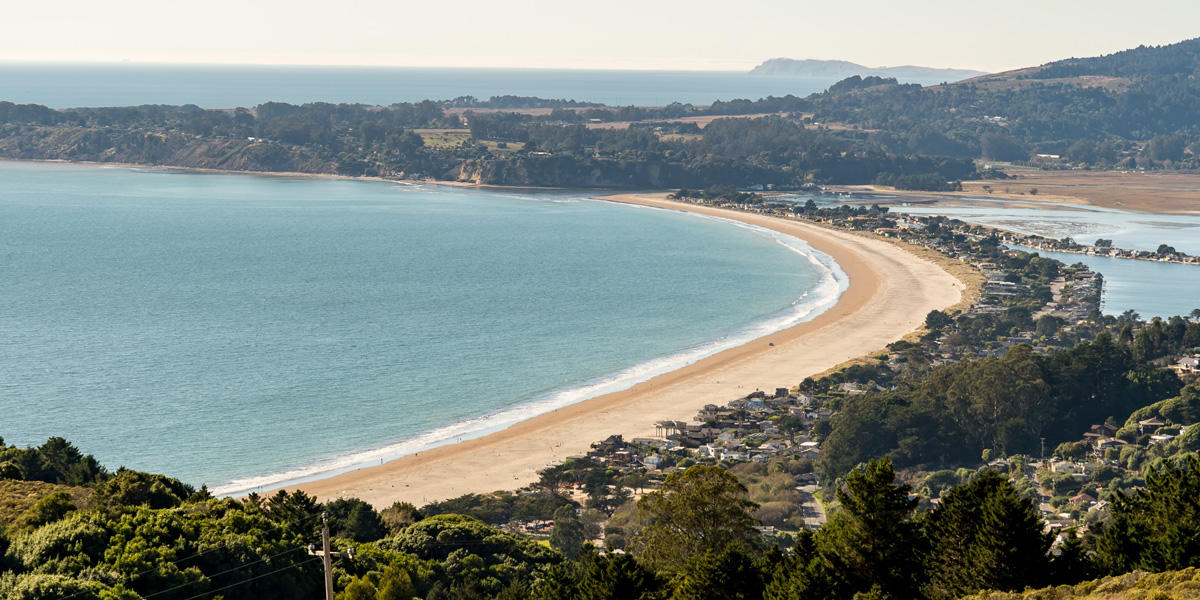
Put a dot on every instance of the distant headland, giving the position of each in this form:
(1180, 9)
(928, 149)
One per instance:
(842, 68)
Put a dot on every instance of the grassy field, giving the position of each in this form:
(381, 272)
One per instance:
(17, 496)
(1172, 585)
(445, 139)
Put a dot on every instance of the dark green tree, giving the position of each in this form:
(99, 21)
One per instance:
(47, 510)
(399, 515)
(731, 574)
(1073, 563)
(560, 581)
(297, 511)
(395, 584)
(618, 577)
(937, 319)
(567, 536)
(354, 519)
(475, 557)
(984, 535)
(1158, 528)
(134, 488)
(873, 541)
(698, 510)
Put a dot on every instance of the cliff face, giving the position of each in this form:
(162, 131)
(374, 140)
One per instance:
(158, 149)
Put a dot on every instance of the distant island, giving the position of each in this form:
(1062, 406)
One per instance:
(841, 68)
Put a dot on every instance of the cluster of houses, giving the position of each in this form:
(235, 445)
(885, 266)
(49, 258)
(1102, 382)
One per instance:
(1104, 448)
(1072, 247)
(760, 427)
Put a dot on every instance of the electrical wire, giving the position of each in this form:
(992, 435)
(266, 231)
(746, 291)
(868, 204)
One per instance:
(237, 583)
(215, 575)
(197, 555)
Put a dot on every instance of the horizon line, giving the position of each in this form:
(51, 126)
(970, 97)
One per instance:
(150, 63)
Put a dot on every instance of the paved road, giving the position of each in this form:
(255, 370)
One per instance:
(811, 509)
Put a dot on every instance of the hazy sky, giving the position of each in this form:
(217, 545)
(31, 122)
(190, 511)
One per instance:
(642, 34)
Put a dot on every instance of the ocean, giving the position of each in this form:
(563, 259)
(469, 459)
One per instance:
(215, 86)
(244, 331)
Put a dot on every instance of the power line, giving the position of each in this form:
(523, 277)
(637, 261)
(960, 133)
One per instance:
(261, 560)
(215, 575)
(237, 583)
(176, 562)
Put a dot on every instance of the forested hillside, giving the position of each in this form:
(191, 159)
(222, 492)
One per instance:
(426, 140)
(1010, 405)
(1132, 108)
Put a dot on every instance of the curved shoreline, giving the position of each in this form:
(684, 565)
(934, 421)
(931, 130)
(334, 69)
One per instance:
(889, 294)
(815, 300)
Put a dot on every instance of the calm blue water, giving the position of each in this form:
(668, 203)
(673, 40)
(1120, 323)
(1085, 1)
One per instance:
(226, 328)
(66, 85)
(1149, 288)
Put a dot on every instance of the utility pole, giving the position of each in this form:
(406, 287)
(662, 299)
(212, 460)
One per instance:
(327, 556)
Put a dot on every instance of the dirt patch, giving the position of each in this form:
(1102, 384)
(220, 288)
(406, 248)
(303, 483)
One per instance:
(1155, 193)
(1175, 192)
(700, 121)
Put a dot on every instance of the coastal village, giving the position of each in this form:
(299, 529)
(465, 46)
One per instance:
(778, 433)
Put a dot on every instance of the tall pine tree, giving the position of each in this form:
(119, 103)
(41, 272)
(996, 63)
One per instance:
(984, 535)
(873, 543)
(1158, 528)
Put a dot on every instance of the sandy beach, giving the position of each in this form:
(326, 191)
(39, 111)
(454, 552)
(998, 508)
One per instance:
(890, 292)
